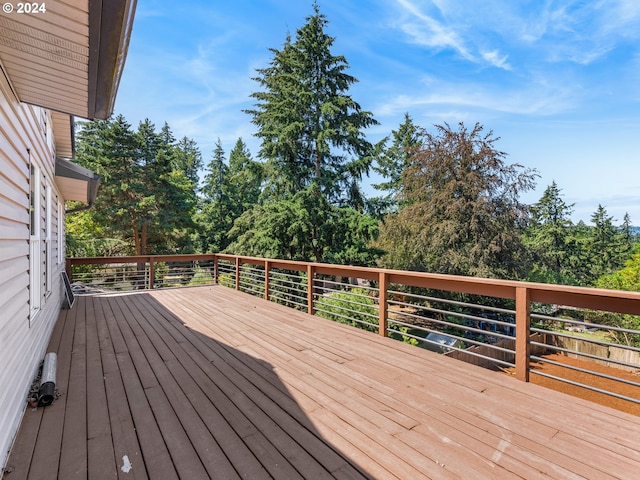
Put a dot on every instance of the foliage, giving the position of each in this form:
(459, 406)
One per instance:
(605, 244)
(308, 125)
(227, 280)
(394, 159)
(288, 288)
(228, 191)
(303, 227)
(578, 254)
(562, 252)
(86, 238)
(146, 195)
(279, 229)
(623, 321)
(188, 159)
(627, 278)
(548, 236)
(628, 236)
(315, 151)
(201, 276)
(353, 307)
(406, 334)
(462, 215)
(351, 242)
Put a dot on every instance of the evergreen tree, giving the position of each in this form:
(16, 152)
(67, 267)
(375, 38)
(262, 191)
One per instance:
(311, 130)
(604, 244)
(579, 259)
(109, 148)
(188, 159)
(314, 149)
(394, 159)
(228, 191)
(549, 237)
(170, 199)
(283, 229)
(626, 278)
(245, 180)
(626, 231)
(215, 217)
(142, 199)
(215, 176)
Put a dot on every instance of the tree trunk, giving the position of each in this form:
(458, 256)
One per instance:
(136, 235)
(143, 238)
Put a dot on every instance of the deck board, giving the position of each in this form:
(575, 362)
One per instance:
(73, 453)
(208, 382)
(46, 453)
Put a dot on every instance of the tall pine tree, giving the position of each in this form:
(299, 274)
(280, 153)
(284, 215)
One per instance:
(392, 161)
(604, 244)
(311, 129)
(314, 149)
(228, 191)
(549, 237)
(143, 199)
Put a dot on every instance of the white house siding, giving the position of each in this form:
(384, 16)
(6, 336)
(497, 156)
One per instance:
(25, 136)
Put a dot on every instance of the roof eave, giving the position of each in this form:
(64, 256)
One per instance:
(76, 182)
(110, 25)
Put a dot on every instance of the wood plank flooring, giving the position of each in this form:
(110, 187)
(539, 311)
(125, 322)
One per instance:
(207, 382)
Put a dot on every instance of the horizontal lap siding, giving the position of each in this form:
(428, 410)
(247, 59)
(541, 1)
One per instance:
(22, 341)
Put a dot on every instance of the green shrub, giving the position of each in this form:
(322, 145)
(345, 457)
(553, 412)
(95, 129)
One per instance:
(201, 277)
(227, 280)
(401, 332)
(352, 307)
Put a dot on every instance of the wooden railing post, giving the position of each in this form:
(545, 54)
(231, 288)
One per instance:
(237, 273)
(215, 270)
(523, 332)
(267, 272)
(310, 274)
(383, 297)
(152, 273)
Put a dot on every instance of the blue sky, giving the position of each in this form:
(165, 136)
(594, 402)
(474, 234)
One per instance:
(557, 80)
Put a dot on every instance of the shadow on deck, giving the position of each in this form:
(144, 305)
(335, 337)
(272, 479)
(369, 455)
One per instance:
(208, 382)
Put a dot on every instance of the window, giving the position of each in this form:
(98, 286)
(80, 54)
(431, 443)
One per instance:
(61, 226)
(35, 205)
(48, 243)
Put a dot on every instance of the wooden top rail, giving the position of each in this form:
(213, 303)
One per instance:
(582, 297)
(139, 259)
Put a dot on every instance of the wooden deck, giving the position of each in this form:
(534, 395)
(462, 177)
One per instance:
(207, 382)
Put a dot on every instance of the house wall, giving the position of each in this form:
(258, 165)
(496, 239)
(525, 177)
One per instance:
(26, 323)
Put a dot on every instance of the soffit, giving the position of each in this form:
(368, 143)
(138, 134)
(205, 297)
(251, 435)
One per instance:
(63, 134)
(70, 58)
(46, 56)
(76, 182)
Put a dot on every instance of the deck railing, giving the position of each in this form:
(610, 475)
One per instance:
(517, 326)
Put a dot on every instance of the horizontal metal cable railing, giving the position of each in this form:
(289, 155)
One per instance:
(136, 273)
(483, 335)
(520, 327)
(350, 303)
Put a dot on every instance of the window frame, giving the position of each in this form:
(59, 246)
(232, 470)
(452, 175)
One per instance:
(35, 238)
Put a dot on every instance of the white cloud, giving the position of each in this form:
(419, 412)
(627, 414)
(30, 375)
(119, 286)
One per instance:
(469, 99)
(496, 59)
(425, 30)
(621, 18)
(450, 26)
(490, 31)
